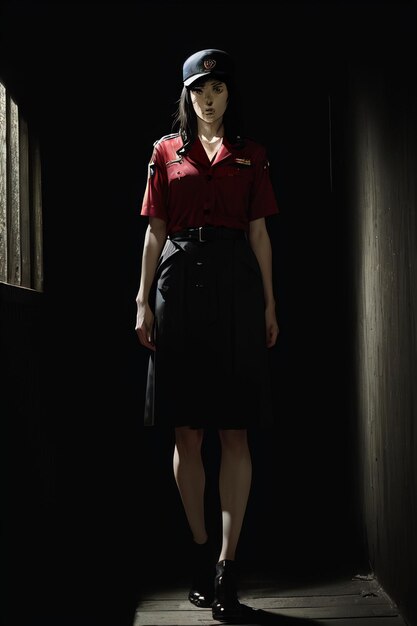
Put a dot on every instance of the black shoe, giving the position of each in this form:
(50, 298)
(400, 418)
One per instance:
(226, 606)
(201, 593)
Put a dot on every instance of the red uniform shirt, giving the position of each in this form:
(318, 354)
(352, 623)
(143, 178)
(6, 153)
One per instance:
(189, 191)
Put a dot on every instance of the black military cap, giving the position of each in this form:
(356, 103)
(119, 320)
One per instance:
(205, 63)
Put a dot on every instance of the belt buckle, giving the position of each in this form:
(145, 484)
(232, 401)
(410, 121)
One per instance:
(200, 238)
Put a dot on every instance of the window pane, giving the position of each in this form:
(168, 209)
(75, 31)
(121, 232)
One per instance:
(24, 203)
(3, 187)
(14, 269)
(36, 195)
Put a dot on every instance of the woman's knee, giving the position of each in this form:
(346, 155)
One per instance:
(188, 440)
(234, 440)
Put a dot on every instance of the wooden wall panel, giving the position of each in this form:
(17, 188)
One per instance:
(382, 164)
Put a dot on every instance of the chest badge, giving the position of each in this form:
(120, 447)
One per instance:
(246, 162)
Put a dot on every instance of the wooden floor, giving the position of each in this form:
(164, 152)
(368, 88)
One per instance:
(358, 600)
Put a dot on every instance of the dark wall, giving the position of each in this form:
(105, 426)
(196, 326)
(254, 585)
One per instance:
(27, 453)
(379, 193)
(100, 92)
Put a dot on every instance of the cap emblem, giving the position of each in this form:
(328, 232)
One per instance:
(209, 64)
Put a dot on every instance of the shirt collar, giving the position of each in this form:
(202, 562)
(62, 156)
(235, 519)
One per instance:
(198, 154)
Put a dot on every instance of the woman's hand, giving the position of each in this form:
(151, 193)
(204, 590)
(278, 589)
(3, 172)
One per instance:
(272, 328)
(144, 325)
(155, 238)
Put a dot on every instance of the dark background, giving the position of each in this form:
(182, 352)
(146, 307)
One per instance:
(93, 512)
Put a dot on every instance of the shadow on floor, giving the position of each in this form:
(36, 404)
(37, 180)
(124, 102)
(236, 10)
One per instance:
(259, 616)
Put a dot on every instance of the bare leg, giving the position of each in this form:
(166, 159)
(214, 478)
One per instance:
(190, 478)
(234, 485)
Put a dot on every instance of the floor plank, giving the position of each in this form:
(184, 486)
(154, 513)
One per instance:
(159, 618)
(358, 601)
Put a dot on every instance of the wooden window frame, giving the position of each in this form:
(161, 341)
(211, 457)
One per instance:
(21, 230)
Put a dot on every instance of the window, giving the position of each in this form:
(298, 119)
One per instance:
(21, 261)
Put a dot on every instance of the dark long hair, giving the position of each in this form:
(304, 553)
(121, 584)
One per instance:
(185, 119)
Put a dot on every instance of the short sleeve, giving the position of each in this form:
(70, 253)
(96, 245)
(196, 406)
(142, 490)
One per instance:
(263, 199)
(154, 203)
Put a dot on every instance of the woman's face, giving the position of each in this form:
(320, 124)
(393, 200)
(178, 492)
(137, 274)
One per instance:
(210, 100)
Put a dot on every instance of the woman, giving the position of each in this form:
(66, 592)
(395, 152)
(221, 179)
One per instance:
(206, 307)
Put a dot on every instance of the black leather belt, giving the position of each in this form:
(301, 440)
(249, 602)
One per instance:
(208, 233)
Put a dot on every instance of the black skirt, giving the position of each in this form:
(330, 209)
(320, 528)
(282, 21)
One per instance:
(210, 368)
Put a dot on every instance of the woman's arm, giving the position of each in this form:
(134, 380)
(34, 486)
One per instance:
(155, 237)
(261, 245)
